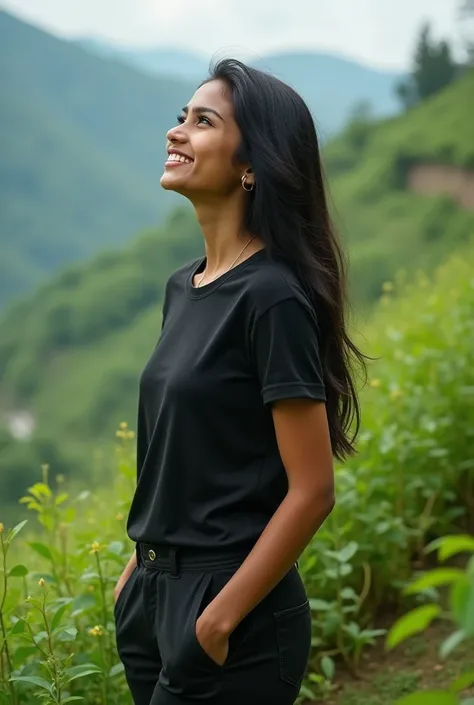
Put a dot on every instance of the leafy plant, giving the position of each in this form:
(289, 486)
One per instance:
(460, 613)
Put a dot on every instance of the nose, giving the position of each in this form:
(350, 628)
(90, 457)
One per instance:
(176, 134)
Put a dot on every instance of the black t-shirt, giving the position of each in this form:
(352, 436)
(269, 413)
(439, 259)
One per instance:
(209, 472)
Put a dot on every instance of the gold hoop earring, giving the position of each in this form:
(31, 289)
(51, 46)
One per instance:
(243, 180)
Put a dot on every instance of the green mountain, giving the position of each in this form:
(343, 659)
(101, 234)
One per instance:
(157, 61)
(387, 225)
(82, 142)
(331, 85)
(70, 355)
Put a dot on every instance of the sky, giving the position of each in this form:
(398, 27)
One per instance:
(380, 33)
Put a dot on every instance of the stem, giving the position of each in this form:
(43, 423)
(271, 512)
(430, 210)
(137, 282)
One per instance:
(105, 678)
(51, 651)
(2, 624)
(104, 604)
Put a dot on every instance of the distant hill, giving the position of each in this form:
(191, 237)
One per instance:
(82, 141)
(331, 85)
(385, 224)
(172, 63)
(71, 353)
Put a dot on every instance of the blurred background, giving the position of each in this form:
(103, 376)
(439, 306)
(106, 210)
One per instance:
(88, 239)
(87, 235)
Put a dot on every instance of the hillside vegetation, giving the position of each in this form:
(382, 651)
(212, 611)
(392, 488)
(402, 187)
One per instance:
(83, 146)
(385, 226)
(412, 480)
(72, 355)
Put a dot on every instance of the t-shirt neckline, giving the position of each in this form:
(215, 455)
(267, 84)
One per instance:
(201, 291)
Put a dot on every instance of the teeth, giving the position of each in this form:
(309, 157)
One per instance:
(178, 158)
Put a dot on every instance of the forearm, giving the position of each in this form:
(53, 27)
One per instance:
(281, 543)
(127, 571)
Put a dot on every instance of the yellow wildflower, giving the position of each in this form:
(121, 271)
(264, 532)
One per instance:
(96, 631)
(41, 582)
(375, 383)
(119, 516)
(2, 528)
(124, 425)
(95, 547)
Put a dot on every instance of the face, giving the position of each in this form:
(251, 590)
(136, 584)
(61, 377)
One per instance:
(208, 136)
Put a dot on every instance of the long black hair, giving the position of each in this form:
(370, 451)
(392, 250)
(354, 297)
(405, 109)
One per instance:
(288, 209)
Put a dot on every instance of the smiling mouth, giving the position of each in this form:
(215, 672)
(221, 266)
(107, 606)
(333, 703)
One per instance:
(177, 160)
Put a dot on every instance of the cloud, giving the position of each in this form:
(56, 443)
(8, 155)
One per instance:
(379, 33)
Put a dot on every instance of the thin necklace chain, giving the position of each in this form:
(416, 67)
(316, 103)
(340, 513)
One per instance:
(240, 253)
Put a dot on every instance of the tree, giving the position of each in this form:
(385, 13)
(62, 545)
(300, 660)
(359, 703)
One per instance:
(466, 16)
(433, 69)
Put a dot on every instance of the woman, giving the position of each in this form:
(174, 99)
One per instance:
(243, 403)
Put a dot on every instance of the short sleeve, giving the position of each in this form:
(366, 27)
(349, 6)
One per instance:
(285, 348)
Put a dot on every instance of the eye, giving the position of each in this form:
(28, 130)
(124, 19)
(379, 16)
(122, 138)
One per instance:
(181, 119)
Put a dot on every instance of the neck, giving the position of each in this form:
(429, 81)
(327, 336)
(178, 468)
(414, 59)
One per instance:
(223, 234)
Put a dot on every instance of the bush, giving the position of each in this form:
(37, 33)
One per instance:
(412, 481)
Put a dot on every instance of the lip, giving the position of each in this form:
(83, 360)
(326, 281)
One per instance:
(181, 154)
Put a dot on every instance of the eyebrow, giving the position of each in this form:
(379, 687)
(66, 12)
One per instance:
(202, 109)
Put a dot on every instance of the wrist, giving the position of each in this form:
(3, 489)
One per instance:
(220, 618)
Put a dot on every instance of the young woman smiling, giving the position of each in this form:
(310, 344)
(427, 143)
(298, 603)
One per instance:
(245, 401)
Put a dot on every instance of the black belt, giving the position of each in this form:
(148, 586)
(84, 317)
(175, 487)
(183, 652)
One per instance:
(174, 559)
(185, 558)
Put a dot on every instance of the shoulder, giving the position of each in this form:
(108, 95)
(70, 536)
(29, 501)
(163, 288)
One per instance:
(274, 281)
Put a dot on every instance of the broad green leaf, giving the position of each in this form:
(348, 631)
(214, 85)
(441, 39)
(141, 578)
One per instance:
(429, 697)
(83, 602)
(462, 682)
(83, 669)
(450, 545)
(327, 667)
(319, 605)
(18, 571)
(116, 669)
(57, 616)
(15, 530)
(18, 627)
(462, 604)
(68, 634)
(21, 653)
(34, 680)
(452, 641)
(42, 549)
(435, 578)
(346, 553)
(73, 697)
(412, 623)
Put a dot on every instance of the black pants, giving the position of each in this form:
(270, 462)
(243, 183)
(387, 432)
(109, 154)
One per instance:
(165, 664)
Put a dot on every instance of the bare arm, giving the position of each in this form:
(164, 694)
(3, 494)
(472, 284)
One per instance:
(304, 444)
(127, 571)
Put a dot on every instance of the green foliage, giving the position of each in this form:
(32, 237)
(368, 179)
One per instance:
(385, 225)
(412, 480)
(460, 614)
(433, 69)
(81, 140)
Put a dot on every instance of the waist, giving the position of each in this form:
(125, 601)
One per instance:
(188, 558)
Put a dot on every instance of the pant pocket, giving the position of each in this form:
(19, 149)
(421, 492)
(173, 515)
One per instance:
(123, 592)
(293, 630)
(209, 589)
